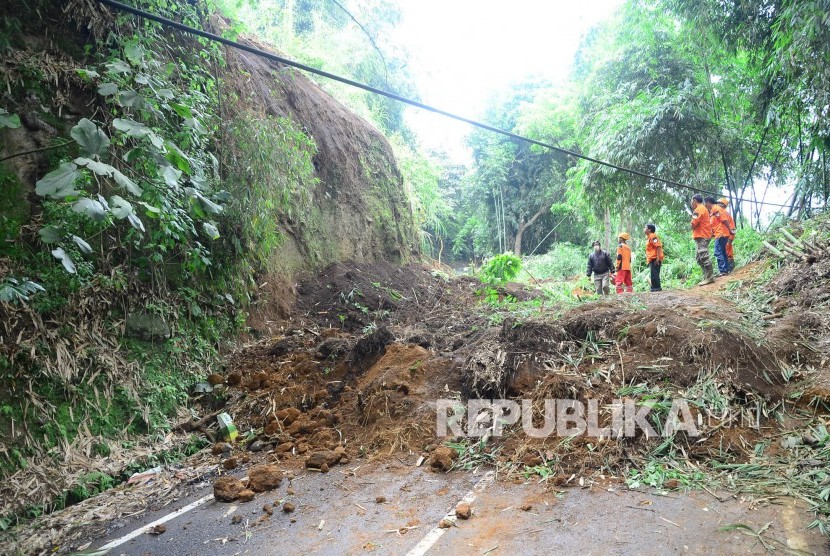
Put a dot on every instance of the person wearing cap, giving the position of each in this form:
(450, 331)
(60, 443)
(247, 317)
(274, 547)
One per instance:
(600, 265)
(654, 256)
(721, 233)
(730, 222)
(702, 234)
(623, 278)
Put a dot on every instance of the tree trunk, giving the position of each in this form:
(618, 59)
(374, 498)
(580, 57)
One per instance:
(517, 245)
(607, 223)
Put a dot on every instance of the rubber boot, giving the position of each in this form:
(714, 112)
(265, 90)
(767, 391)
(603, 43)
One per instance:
(707, 276)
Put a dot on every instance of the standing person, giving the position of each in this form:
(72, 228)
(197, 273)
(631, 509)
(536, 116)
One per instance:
(702, 234)
(721, 233)
(623, 280)
(730, 251)
(654, 256)
(599, 264)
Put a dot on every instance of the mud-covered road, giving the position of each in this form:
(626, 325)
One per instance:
(339, 513)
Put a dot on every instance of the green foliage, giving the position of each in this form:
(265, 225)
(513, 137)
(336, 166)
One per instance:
(270, 177)
(500, 269)
(657, 472)
(564, 260)
(13, 290)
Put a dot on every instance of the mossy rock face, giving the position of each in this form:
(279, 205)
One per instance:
(360, 210)
(142, 326)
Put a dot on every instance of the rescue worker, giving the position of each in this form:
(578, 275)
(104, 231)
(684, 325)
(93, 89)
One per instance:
(730, 251)
(654, 256)
(721, 233)
(600, 265)
(623, 278)
(702, 234)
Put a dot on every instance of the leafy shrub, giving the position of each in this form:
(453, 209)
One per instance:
(500, 269)
(562, 261)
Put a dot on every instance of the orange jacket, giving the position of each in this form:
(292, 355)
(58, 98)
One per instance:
(719, 219)
(653, 247)
(730, 223)
(623, 257)
(701, 225)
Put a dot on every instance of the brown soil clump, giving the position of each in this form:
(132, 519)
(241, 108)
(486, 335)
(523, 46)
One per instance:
(262, 477)
(227, 489)
(463, 510)
(442, 458)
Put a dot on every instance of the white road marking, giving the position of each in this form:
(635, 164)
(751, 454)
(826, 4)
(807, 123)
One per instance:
(145, 528)
(432, 537)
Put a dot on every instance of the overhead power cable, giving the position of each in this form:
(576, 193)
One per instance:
(233, 44)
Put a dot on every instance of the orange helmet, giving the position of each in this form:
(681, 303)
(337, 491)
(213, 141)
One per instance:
(724, 201)
(623, 235)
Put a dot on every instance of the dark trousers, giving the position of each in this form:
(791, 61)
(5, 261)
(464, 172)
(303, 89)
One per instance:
(720, 254)
(654, 268)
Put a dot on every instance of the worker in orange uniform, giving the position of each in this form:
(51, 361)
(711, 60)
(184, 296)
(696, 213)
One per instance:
(702, 234)
(730, 223)
(654, 256)
(623, 278)
(721, 233)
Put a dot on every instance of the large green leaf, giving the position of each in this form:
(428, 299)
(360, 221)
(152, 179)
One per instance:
(99, 168)
(93, 141)
(82, 245)
(210, 230)
(59, 183)
(130, 99)
(9, 120)
(126, 183)
(171, 176)
(195, 125)
(67, 263)
(118, 67)
(208, 205)
(90, 207)
(131, 127)
(181, 110)
(135, 222)
(88, 74)
(120, 208)
(177, 157)
(107, 89)
(50, 234)
(134, 52)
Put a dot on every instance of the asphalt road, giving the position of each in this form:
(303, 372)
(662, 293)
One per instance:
(338, 513)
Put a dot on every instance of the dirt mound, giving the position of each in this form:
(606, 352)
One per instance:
(673, 339)
(333, 389)
(351, 295)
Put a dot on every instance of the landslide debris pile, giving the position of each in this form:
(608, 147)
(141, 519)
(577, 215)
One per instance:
(371, 347)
